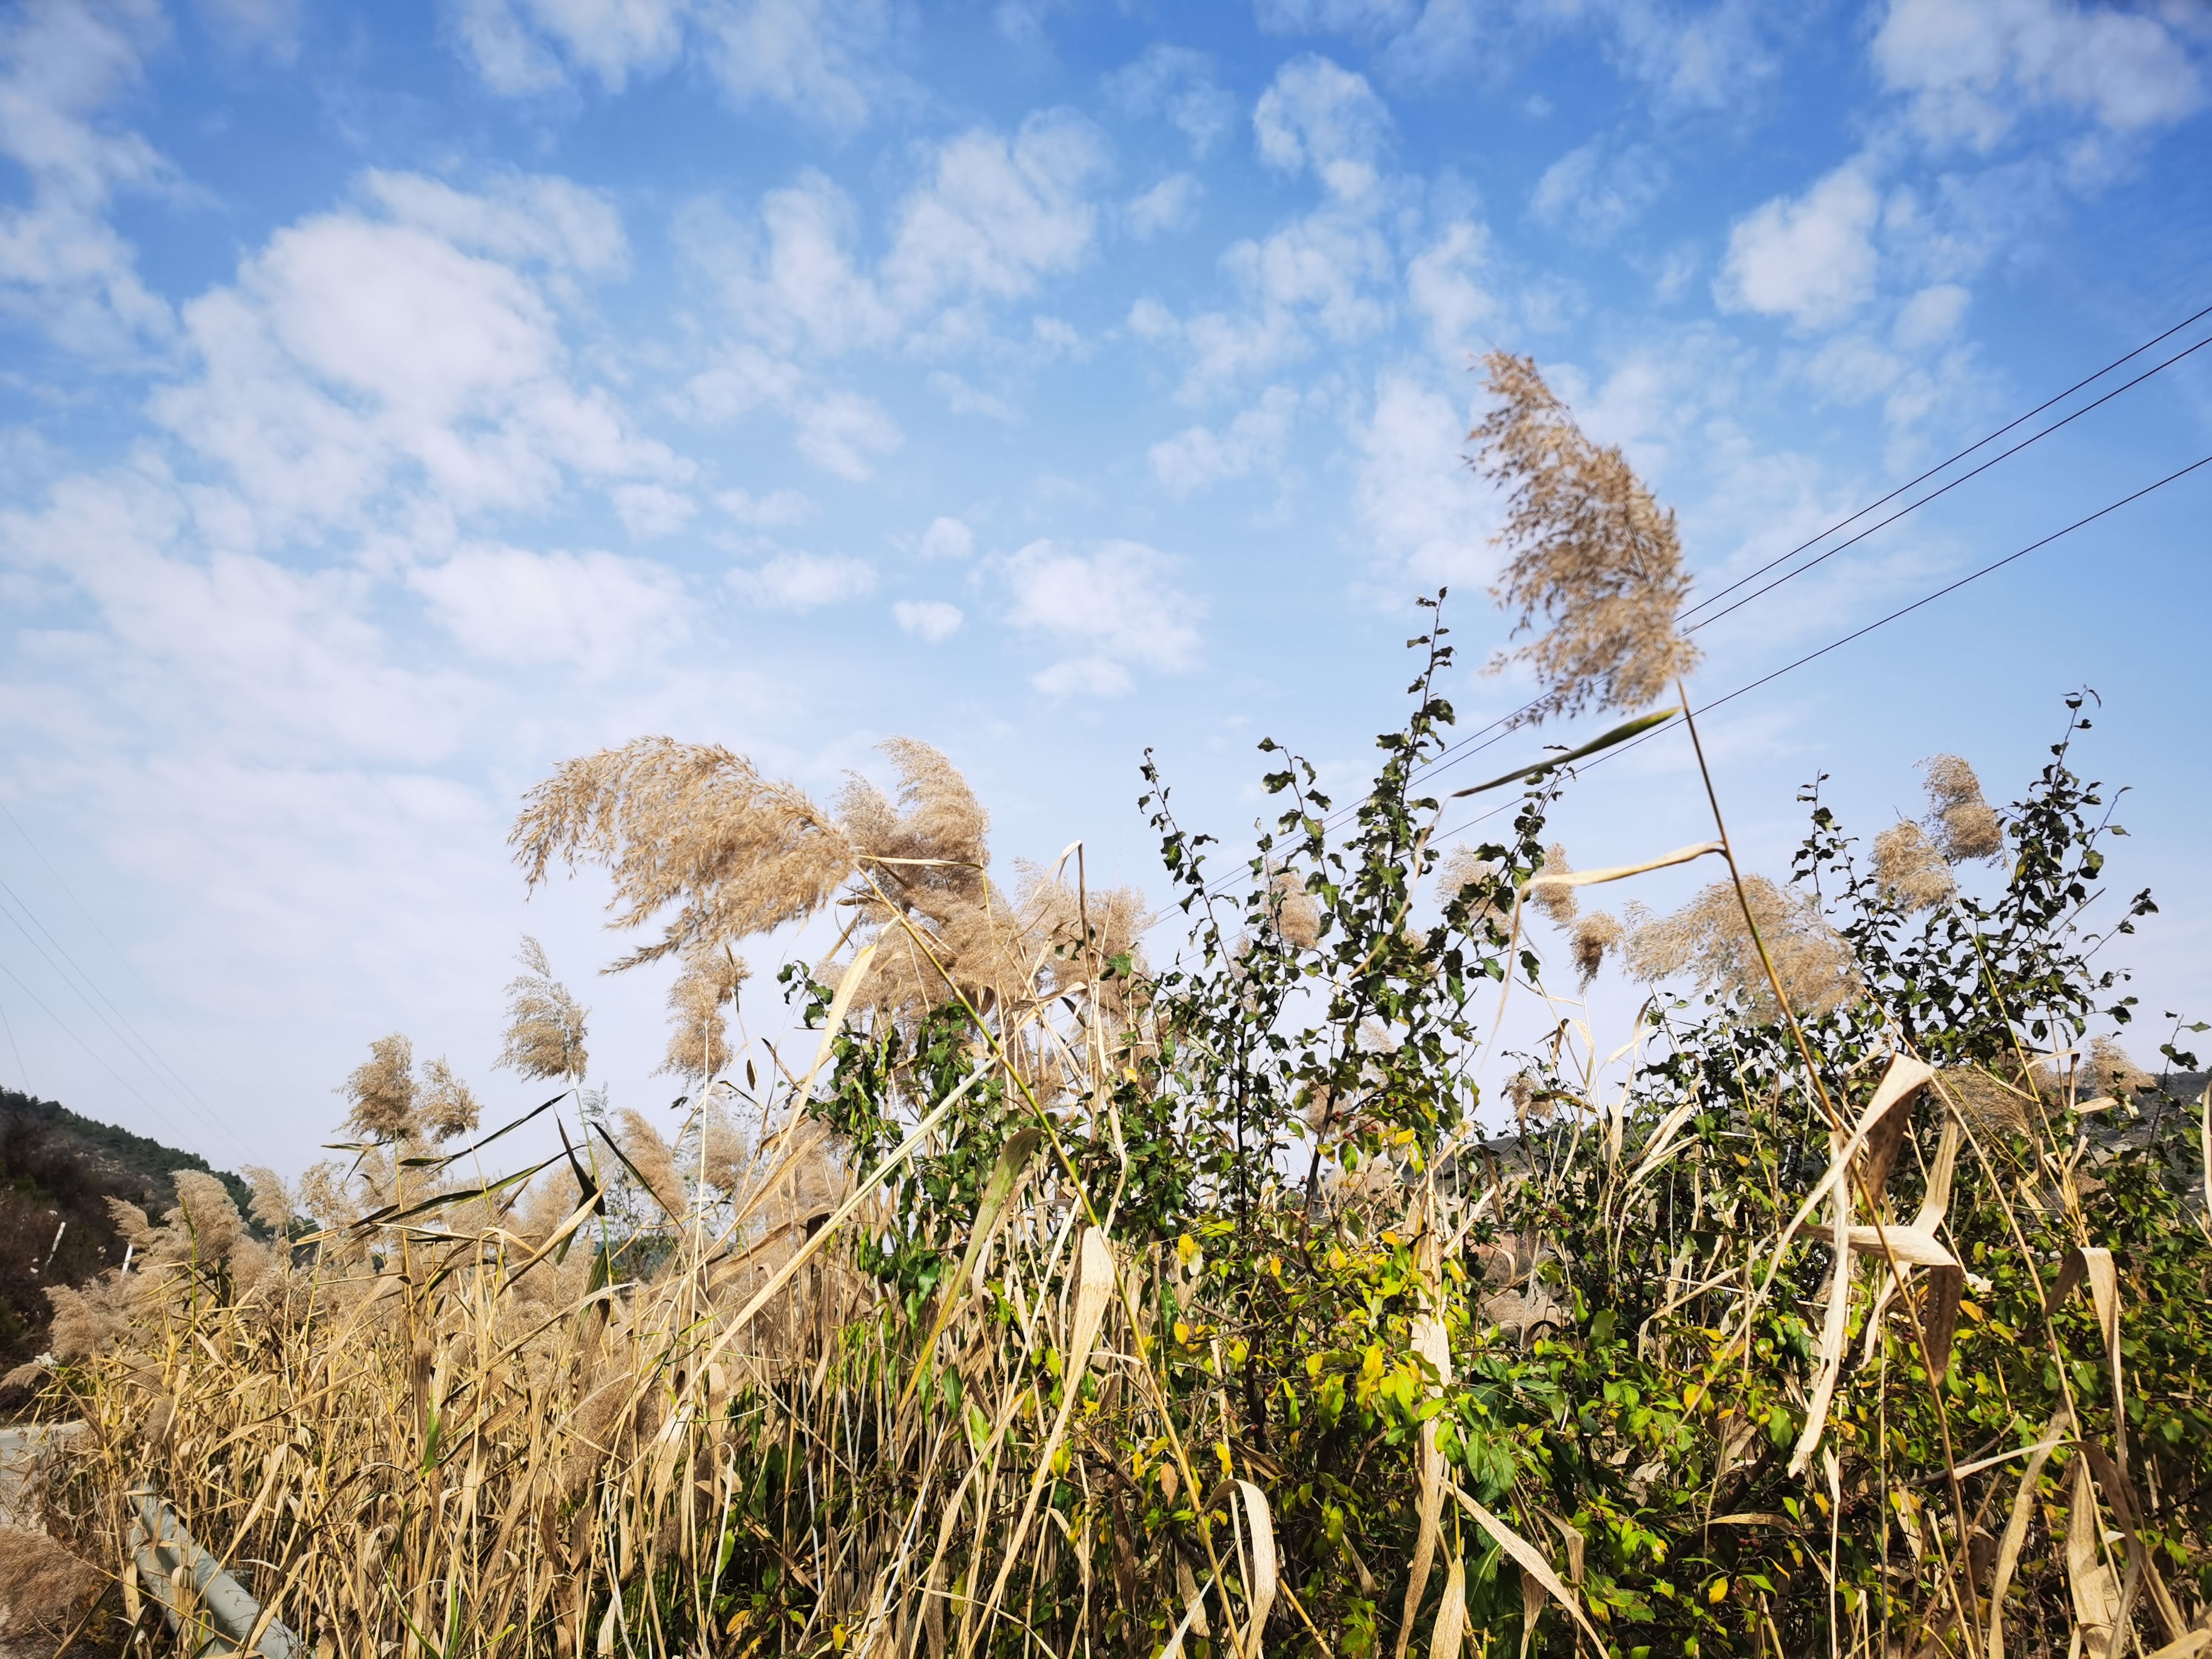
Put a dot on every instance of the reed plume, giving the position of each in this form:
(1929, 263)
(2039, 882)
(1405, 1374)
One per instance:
(1707, 938)
(698, 1029)
(1966, 827)
(1554, 898)
(1590, 554)
(1911, 871)
(1594, 934)
(687, 827)
(545, 1026)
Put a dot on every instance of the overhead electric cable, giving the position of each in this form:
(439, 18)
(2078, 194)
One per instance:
(153, 1112)
(1496, 731)
(2018, 420)
(1860, 634)
(1790, 575)
(85, 994)
(181, 1027)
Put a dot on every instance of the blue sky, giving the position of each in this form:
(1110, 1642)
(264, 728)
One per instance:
(398, 399)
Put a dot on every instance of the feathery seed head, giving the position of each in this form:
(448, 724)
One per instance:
(1594, 934)
(448, 1109)
(1707, 938)
(1553, 898)
(1591, 553)
(545, 1023)
(1966, 827)
(1912, 872)
(381, 1091)
(688, 826)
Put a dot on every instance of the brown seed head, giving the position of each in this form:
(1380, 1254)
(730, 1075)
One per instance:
(1966, 828)
(1912, 872)
(380, 1090)
(1553, 898)
(1594, 934)
(447, 1108)
(545, 1023)
(1707, 938)
(1590, 552)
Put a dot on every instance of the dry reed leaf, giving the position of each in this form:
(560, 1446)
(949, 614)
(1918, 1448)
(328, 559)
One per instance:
(1532, 1562)
(1532, 1606)
(2095, 1591)
(1193, 1610)
(1260, 1526)
(1917, 1247)
(1589, 550)
(1449, 1634)
(1432, 1343)
(1012, 1162)
(2190, 1646)
(2015, 1532)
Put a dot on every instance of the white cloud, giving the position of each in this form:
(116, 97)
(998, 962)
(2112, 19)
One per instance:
(1931, 316)
(803, 581)
(996, 215)
(1319, 116)
(594, 611)
(1175, 83)
(349, 349)
(1423, 510)
(522, 216)
(963, 397)
(63, 265)
(1970, 67)
(1812, 260)
(1114, 605)
(1084, 677)
(651, 510)
(271, 24)
(1442, 282)
(932, 621)
(532, 45)
(947, 538)
(1168, 205)
(991, 218)
(1198, 456)
(1334, 16)
(844, 432)
(820, 59)
(1593, 194)
(777, 508)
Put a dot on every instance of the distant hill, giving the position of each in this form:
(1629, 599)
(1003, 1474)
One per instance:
(58, 1168)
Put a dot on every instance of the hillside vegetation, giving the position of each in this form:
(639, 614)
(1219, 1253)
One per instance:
(1066, 1302)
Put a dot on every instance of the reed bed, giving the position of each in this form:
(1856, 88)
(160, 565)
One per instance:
(1852, 1302)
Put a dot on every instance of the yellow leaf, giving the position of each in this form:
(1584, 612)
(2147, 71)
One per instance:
(1718, 1590)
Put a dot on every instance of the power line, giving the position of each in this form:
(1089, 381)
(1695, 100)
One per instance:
(153, 1112)
(1859, 634)
(1503, 727)
(181, 1027)
(185, 1096)
(1911, 483)
(22, 1071)
(1790, 575)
